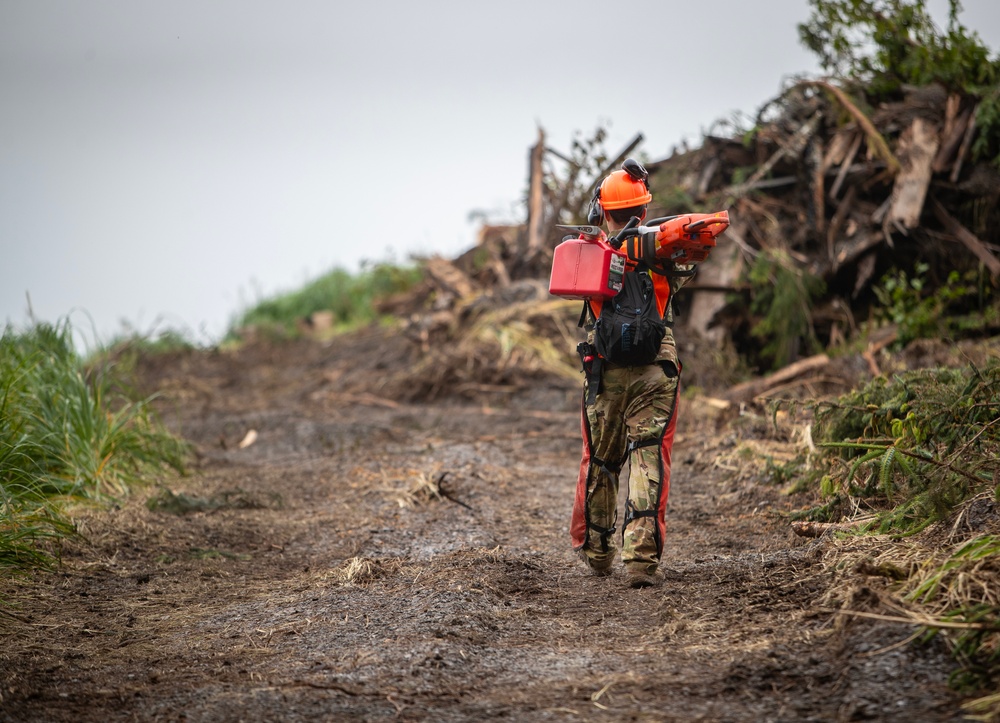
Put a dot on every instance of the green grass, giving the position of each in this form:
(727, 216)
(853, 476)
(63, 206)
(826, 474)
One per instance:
(349, 297)
(160, 342)
(68, 432)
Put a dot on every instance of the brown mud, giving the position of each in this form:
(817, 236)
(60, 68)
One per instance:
(365, 559)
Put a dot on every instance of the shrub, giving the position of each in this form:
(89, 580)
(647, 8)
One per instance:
(912, 448)
(66, 432)
(351, 298)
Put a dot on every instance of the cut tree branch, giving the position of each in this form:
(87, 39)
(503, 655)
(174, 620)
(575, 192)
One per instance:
(879, 146)
(967, 238)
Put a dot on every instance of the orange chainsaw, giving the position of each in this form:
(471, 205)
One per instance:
(684, 239)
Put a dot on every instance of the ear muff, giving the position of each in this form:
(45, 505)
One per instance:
(595, 214)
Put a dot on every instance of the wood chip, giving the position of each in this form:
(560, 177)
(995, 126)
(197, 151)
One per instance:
(917, 147)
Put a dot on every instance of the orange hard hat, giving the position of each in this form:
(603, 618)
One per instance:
(622, 190)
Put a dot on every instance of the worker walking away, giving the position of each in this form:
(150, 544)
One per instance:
(631, 391)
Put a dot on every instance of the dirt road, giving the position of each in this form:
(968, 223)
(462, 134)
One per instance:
(367, 560)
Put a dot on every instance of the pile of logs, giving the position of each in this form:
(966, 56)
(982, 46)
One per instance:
(844, 192)
(848, 195)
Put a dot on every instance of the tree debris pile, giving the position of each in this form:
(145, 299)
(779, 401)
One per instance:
(839, 218)
(481, 340)
(842, 223)
(865, 207)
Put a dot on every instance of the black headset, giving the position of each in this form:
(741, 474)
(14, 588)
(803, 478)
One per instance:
(595, 213)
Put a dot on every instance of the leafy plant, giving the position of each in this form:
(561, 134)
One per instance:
(889, 43)
(883, 45)
(914, 447)
(782, 296)
(963, 305)
(987, 142)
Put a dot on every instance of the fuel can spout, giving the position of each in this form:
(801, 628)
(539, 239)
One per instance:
(587, 233)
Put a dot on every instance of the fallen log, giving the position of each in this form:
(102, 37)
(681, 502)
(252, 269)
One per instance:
(955, 123)
(808, 528)
(819, 187)
(613, 164)
(878, 343)
(968, 239)
(449, 277)
(847, 252)
(837, 224)
(790, 149)
(748, 391)
(840, 144)
(846, 166)
(966, 144)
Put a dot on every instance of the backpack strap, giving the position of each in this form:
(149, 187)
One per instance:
(676, 274)
(679, 274)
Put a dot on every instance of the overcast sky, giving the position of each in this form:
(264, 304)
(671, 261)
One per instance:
(167, 164)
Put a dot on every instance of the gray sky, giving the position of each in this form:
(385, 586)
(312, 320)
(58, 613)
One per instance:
(170, 163)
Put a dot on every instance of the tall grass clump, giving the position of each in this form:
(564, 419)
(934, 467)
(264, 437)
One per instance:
(961, 585)
(911, 448)
(351, 298)
(136, 344)
(26, 516)
(67, 433)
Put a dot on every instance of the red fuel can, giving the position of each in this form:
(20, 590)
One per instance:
(583, 269)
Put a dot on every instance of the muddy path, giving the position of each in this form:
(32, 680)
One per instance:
(369, 560)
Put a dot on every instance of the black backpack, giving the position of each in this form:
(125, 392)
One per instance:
(629, 330)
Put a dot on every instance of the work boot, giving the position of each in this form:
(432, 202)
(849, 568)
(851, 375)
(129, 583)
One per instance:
(600, 566)
(642, 576)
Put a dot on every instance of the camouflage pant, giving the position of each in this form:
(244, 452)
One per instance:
(633, 420)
